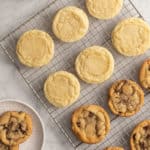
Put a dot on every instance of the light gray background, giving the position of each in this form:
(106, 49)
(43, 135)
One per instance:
(12, 14)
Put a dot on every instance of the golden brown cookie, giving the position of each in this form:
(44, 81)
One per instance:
(125, 98)
(15, 127)
(114, 148)
(6, 147)
(140, 138)
(144, 75)
(90, 123)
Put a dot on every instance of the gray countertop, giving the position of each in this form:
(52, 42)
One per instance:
(12, 14)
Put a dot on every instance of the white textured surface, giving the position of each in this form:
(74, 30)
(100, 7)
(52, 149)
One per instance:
(36, 140)
(13, 13)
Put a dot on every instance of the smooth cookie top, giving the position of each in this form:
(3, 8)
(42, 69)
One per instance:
(131, 37)
(94, 64)
(15, 127)
(35, 48)
(114, 148)
(140, 138)
(70, 24)
(144, 75)
(90, 123)
(125, 98)
(104, 9)
(62, 89)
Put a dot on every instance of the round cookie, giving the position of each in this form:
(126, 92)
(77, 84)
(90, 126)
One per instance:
(70, 24)
(125, 98)
(6, 147)
(131, 37)
(90, 123)
(35, 48)
(114, 148)
(144, 75)
(62, 89)
(15, 127)
(104, 9)
(94, 64)
(140, 138)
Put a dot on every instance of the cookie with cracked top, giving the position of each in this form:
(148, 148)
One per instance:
(125, 98)
(90, 123)
(6, 147)
(140, 137)
(15, 127)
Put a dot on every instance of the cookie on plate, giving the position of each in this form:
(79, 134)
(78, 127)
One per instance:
(140, 138)
(62, 89)
(125, 98)
(15, 127)
(104, 9)
(94, 64)
(144, 75)
(131, 37)
(6, 147)
(114, 148)
(90, 123)
(70, 24)
(35, 48)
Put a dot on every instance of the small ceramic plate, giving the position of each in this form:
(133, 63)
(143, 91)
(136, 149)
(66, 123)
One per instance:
(35, 141)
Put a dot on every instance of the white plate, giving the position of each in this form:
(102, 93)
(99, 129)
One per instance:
(35, 141)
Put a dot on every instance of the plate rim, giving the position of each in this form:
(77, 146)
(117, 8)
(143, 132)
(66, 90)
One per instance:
(30, 107)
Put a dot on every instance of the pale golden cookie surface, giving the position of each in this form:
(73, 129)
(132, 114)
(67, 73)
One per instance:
(70, 24)
(15, 127)
(144, 75)
(131, 37)
(90, 123)
(125, 98)
(140, 138)
(62, 89)
(94, 64)
(35, 48)
(114, 148)
(104, 9)
(6, 147)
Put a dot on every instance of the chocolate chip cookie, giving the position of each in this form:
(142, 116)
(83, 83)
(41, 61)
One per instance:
(90, 123)
(144, 75)
(114, 148)
(6, 147)
(15, 127)
(140, 138)
(125, 98)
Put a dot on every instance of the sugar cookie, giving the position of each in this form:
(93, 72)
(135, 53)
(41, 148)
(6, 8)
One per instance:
(94, 64)
(70, 24)
(35, 48)
(104, 9)
(62, 89)
(131, 37)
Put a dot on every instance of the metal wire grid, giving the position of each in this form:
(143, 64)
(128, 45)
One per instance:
(65, 54)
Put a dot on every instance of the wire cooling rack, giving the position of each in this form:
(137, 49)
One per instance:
(65, 54)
